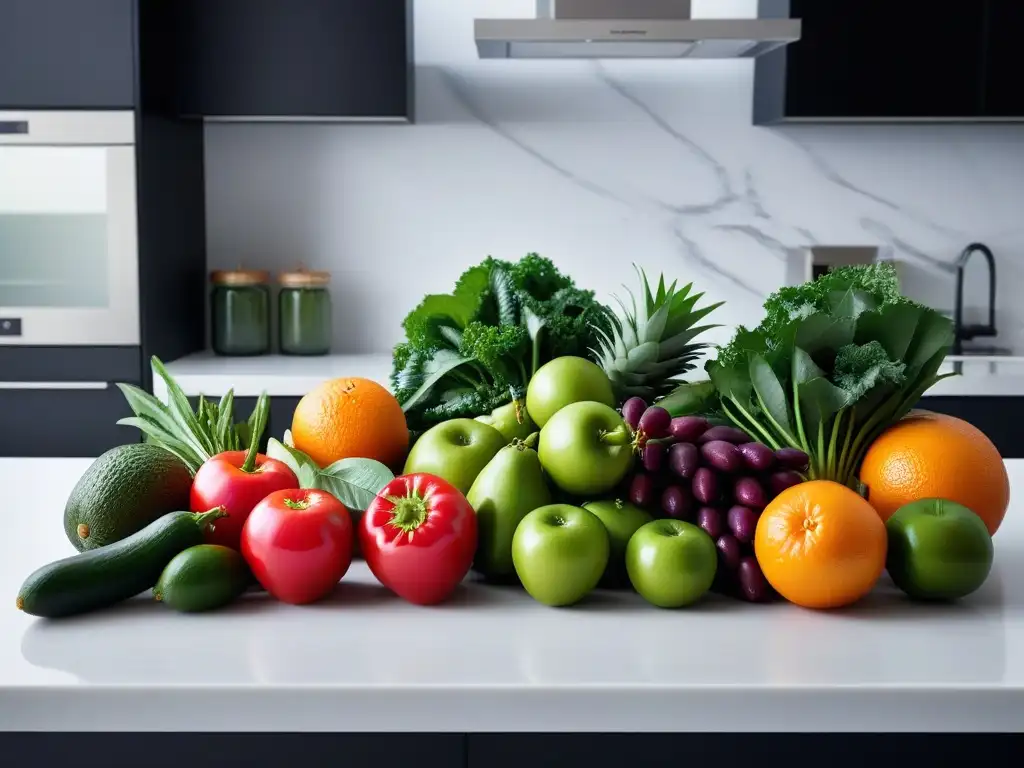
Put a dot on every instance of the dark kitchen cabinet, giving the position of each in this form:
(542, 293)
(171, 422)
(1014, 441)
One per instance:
(998, 417)
(877, 60)
(300, 59)
(56, 422)
(67, 54)
(1004, 95)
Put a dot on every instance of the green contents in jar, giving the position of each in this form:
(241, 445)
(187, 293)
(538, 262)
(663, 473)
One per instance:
(304, 322)
(240, 312)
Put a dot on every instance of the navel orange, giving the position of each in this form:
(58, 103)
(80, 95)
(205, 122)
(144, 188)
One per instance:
(933, 456)
(350, 418)
(820, 545)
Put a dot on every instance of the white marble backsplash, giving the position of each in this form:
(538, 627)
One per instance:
(599, 165)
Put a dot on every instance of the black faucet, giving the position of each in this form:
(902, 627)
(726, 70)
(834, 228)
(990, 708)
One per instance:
(967, 332)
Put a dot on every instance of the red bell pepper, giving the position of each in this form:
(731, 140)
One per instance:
(418, 537)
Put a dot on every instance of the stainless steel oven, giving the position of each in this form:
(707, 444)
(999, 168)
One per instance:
(68, 229)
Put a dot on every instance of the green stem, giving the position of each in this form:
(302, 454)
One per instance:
(815, 469)
(618, 436)
(522, 372)
(844, 458)
(833, 442)
(259, 425)
(204, 519)
(535, 357)
(467, 380)
(409, 512)
(767, 414)
(749, 423)
(798, 416)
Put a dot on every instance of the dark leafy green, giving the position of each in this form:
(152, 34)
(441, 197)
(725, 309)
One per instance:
(471, 351)
(834, 362)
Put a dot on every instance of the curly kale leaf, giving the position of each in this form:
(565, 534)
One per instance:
(861, 367)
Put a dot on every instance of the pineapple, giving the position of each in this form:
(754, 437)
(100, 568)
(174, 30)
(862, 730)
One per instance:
(651, 344)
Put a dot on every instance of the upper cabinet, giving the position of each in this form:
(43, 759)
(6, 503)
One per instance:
(294, 59)
(67, 54)
(1004, 96)
(876, 60)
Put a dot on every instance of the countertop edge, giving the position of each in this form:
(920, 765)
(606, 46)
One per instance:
(473, 709)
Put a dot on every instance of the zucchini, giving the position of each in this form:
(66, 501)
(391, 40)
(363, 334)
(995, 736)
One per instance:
(203, 577)
(101, 577)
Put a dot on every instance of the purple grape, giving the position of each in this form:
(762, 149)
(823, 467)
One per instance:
(655, 422)
(723, 456)
(792, 458)
(759, 457)
(684, 459)
(705, 486)
(654, 456)
(632, 410)
(676, 501)
(728, 434)
(753, 585)
(642, 491)
(750, 493)
(710, 520)
(686, 429)
(780, 481)
(729, 553)
(742, 522)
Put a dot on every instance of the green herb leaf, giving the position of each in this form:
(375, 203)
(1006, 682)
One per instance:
(820, 400)
(893, 326)
(850, 303)
(504, 296)
(804, 368)
(770, 394)
(258, 423)
(166, 440)
(225, 433)
(354, 482)
(181, 409)
(443, 362)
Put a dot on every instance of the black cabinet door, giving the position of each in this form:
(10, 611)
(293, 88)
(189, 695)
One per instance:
(1004, 95)
(293, 58)
(997, 417)
(67, 54)
(876, 59)
(63, 423)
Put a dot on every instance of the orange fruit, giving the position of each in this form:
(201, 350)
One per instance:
(350, 418)
(820, 545)
(933, 456)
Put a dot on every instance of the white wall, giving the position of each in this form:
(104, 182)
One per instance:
(598, 165)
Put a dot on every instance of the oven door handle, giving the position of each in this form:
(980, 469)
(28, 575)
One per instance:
(54, 385)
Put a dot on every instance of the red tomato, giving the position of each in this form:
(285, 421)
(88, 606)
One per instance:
(221, 482)
(298, 544)
(418, 537)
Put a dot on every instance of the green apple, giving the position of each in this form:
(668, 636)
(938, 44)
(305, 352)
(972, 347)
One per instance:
(563, 381)
(559, 552)
(509, 487)
(511, 419)
(585, 448)
(455, 451)
(671, 563)
(621, 519)
(938, 550)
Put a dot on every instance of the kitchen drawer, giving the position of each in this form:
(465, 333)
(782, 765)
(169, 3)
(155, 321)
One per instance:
(51, 420)
(67, 54)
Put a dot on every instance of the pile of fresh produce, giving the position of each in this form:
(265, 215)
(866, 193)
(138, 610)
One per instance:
(535, 436)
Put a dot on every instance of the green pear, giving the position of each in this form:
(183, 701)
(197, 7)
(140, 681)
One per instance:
(511, 420)
(510, 487)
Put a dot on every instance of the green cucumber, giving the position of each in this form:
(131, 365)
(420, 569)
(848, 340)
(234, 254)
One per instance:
(101, 577)
(203, 577)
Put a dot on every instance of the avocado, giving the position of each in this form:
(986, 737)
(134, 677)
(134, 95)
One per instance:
(122, 492)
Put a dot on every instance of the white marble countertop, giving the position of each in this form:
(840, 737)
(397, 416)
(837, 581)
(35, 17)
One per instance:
(284, 376)
(494, 660)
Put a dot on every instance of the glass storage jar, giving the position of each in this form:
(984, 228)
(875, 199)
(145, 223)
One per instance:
(240, 312)
(304, 313)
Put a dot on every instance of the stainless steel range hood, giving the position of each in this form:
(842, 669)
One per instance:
(628, 29)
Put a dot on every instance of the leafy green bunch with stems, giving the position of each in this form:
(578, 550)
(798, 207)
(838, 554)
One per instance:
(833, 364)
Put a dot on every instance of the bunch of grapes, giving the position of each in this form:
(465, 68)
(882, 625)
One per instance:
(715, 477)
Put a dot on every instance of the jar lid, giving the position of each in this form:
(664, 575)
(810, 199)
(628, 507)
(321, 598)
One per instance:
(240, 277)
(302, 278)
